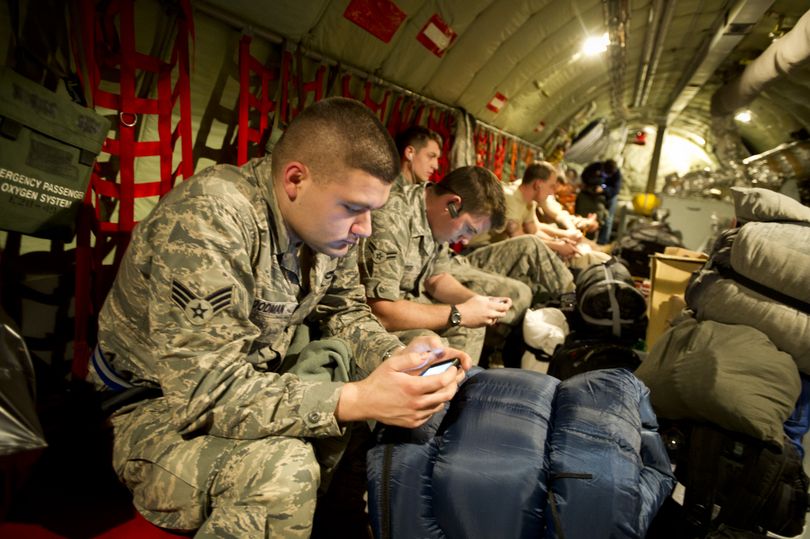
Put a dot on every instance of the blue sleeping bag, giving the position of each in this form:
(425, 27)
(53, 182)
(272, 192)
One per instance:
(521, 454)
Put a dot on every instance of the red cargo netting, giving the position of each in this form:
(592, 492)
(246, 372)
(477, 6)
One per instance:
(109, 48)
(263, 104)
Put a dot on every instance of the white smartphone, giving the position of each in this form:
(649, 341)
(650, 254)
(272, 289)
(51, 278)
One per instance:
(441, 366)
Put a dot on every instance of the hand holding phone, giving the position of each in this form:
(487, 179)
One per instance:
(441, 366)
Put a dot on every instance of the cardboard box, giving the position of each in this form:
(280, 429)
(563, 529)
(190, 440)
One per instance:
(669, 275)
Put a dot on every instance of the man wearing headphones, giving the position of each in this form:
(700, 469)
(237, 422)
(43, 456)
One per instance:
(419, 151)
(405, 266)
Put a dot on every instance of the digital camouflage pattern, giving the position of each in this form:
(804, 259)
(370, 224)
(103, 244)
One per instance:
(205, 305)
(225, 487)
(527, 259)
(401, 254)
(488, 283)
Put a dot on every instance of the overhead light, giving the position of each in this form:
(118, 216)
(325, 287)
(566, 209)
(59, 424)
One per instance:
(595, 45)
(744, 116)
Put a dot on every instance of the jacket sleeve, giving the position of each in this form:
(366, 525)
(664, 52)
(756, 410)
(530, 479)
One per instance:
(200, 293)
(382, 256)
(344, 313)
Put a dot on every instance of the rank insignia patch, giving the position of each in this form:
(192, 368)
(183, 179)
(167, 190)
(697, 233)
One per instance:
(378, 257)
(200, 310)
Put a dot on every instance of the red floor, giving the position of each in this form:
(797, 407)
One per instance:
(135, 528)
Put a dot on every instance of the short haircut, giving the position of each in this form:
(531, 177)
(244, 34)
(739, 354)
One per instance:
(338, 131)
(593, 174)
(610, 167)
(416, 136)
(480, 191)
(541, 170)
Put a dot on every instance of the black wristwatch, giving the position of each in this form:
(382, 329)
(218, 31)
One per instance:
(455, 317)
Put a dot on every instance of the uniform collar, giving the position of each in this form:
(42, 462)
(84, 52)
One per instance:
(414, 195)
(278, 228)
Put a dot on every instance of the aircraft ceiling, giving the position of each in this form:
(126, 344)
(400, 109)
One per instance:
(528, 51)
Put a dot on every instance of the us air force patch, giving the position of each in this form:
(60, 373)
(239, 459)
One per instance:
(200, 310)
(378, 257)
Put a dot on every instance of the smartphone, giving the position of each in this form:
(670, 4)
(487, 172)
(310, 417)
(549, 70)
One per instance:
(441, 366)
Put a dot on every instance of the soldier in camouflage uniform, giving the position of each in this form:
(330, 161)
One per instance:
(405, 263)
(522, 270)
(209, 295)
(522, 199)
(419, 151)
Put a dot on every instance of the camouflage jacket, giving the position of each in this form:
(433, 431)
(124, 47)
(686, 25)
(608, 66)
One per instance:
(208, 298)
(401, 252)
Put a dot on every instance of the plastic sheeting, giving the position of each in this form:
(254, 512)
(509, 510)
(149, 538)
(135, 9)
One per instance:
(19, 426)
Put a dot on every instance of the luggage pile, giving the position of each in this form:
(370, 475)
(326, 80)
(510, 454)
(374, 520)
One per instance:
(728, 379)
(521, 454)
(609, 319)
(643, 239)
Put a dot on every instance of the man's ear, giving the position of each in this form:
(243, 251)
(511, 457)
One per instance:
(294, 174)
(409, 152)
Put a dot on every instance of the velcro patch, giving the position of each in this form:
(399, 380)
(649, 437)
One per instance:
(200, 310)
(273, 308)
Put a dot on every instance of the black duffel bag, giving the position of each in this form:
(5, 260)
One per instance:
(607, 299)
(583, 355)
(641, 241)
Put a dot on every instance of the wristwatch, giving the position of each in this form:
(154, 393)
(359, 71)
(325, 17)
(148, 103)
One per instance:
(455, 317)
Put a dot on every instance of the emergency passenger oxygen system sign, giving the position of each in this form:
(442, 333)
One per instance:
(48, 145)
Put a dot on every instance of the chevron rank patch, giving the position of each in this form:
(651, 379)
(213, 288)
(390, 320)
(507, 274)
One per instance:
(200, 310)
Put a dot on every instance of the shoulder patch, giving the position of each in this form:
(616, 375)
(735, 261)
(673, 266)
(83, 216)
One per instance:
(380, 256)
(200, 310)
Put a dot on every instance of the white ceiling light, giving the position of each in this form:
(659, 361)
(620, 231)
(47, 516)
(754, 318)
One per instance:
(595, 45)
(743, 116)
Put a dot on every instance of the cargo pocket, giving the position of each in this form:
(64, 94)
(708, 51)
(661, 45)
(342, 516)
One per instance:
(166, 474)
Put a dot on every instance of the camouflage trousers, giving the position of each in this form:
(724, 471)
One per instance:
(489, 283)
(222, 487)
(527, 259)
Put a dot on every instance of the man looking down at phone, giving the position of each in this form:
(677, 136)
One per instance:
(405, 264)
(216, 282)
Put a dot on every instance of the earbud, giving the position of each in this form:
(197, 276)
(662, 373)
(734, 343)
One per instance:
(451, 208)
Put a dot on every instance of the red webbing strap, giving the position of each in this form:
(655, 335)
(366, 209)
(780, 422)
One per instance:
(346, 79)
(402, 115)
(247, 100)
(303, 89)
(395, 118)
(513, 161)
(378, 108)
(409, 113)
(499, 156)
(416, 119)
(284, 105)
(128, 106)
(314, 87)
(82, 303)
(182, 91)
(244, 100)
(111, 45)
